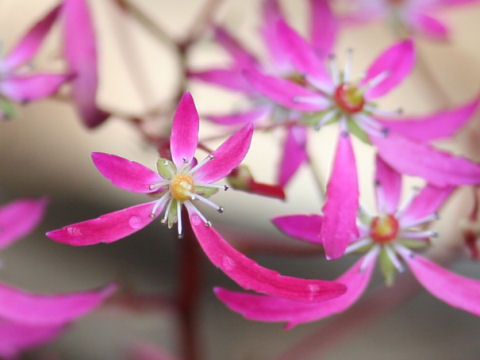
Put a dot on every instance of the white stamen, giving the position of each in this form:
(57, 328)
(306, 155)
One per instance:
(406, 204)
(179, 221)
(333, 69)
(417, 234)
(159, 185)
(328, 116)
(369, 257)
(376, 80)
(167, 211)
(206, 201)
(394, 259)
(160, 202)
(312, 100)
(403, 251)
(417, 222)
(192, 207)
(380, 112)
(317, 84)
(370, 127)
(215, 186)
(357, 245)
(201, 164)
(348, 65)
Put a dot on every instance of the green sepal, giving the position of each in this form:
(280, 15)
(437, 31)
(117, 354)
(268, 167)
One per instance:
(165, 167)
(240, 178)
(413, 244)
(386, 267)
(315, 118)
(172, 214)
(358, 131)
(7, 109)
(205, 191)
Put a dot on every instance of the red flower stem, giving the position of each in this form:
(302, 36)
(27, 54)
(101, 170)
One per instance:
(190, 277)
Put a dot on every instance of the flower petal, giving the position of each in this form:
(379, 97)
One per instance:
(227, 157)
(396, 63)
(17, 338)
(37, 309)
(32, 87)
(240, 55)
(106, 228)
(426, 203)
(388, 187)
(285, 92)
(30, 42)
(81, 55)
(429, 26)
(417, 159)
(231, 79)
(453, 289)
(239, 118)
(294, 154)
(274, 309)
(301, 54)
(271, 13)
(126, 174)
(323, 27)
(184, 137)
(18, 218)
(251, 276)
(340, 211)
(440, 125)
(303, 227)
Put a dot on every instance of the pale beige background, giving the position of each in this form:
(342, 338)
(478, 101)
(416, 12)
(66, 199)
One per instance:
(45, 151)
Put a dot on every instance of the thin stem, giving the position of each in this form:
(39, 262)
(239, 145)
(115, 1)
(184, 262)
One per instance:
(188, 292)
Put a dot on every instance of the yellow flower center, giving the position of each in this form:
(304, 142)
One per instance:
(181, 187)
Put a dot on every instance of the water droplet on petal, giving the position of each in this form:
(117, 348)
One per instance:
(196, 220)
(135, 222)
(228, 263)
(74, 231)
(314, 290)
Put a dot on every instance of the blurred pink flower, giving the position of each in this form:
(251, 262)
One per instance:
(28, 319)
(178, 183)
(391, 236)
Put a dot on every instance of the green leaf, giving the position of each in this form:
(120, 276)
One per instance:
(358, 131)
(165, 168)
(387, 268)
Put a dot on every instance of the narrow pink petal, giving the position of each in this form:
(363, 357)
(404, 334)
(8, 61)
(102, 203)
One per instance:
(227, 157)
(19, 218)
(231, 79)
(251, 276)
(453, 289)
(429, 26)
(144, 351)
(239, 118)
(271, 13)
(388, 187)
(37, 309)
(301, 54)
(30, 42)
(81, 54)
(323, 27)
(106, 228)
(303, 227)
(340, 211)
(274, 309)
(294, 154)
(439, 125)
(427, 202)
(184, 137)
(126, 174)
(241, 56)
(17, 338)
(31, 87)
(285, 92)
(417, 159)
(397, 62)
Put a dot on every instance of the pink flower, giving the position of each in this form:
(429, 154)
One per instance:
(28, 319)
(409, 16)
(389, 237)
(20, 86)
(335, 97)
(182, 182)
(264, 112)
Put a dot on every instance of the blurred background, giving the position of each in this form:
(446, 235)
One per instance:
(46, 151)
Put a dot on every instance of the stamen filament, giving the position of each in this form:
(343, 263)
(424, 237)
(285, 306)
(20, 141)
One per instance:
(317, 84)
(201, 164)
(328, 116)
(357, 245)
(380, 112)
(394, 259)
(348, 65)
(158, 203)
(215, 186)
(376, 80)
(333, 69)
(167, 211)
(417, 234)
(189, 205)
(417, 222)
(159, 185)
(369, 257)
(179, 221)
(206, 201)
(312, 100)
(400, 212)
